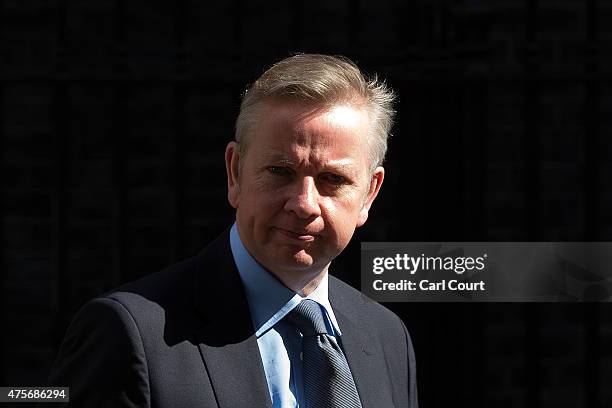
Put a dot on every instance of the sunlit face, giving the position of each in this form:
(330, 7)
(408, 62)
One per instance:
(303, 186)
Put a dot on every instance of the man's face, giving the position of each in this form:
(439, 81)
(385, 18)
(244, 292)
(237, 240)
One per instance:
(303, 186)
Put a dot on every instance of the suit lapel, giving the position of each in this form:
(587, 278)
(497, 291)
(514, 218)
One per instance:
(236, 374)
(226, 337)
(359, 358)
(365, 359)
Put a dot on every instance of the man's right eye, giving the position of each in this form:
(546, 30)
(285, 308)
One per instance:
(278, 170)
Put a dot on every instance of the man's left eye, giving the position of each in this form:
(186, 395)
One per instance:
(334, 178)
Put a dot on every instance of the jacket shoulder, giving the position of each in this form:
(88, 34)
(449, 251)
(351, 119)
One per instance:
(163, 287)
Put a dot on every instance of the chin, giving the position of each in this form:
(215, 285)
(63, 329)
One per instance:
(295, 261)
(302, 258)
(298, 259)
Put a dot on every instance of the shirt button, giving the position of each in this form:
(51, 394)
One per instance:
(301, 356)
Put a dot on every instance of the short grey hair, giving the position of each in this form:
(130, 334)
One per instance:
(322, 80)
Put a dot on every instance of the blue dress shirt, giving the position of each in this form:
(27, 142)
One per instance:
(279, 343)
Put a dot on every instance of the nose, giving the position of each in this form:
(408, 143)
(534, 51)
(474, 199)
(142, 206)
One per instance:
(304, 199)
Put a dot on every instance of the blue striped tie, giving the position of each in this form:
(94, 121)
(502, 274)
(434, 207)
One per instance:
(328, 382)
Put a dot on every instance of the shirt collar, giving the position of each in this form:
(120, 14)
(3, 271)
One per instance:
(269, 300)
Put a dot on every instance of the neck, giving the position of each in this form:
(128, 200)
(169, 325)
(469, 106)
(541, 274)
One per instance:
(302, 283)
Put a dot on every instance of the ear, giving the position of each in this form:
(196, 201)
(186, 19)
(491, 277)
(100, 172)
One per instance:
(373, 189)
(232, 161)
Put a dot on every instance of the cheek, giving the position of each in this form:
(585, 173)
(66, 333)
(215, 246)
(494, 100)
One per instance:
(259, 204)
(341, 218)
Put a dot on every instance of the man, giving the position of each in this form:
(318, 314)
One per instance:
(255, 320)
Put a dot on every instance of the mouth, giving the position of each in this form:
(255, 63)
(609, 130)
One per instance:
(301, 236)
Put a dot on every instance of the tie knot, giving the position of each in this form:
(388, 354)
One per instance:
(308, 318)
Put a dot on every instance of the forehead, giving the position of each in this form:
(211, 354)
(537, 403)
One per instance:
(299, 119)
(288, 125)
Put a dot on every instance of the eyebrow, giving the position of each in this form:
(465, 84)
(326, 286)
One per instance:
(343, 165)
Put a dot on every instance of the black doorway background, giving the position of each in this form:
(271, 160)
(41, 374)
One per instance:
(114, 116)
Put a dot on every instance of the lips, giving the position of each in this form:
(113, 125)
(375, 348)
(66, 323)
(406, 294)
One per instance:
(301, 236)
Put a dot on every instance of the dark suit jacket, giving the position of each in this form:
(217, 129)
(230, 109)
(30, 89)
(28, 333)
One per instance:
(183, 337)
